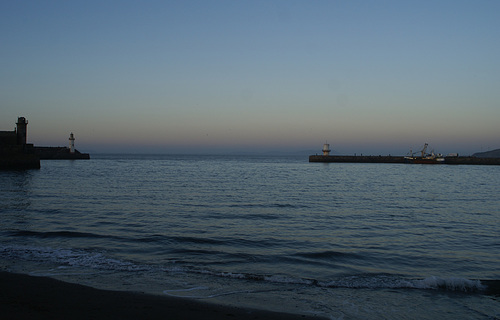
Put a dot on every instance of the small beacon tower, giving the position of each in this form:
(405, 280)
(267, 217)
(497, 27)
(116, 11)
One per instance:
(71, 143)
(22, 130)
(326, 149)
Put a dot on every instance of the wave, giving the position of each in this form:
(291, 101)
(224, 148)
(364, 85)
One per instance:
(268, 205)
(208, 295)
(59, 234)
(224, 241)
(325, 254)
(153, 238)
(371, 281)
(99, 261)
(396, 282)
(67, 257)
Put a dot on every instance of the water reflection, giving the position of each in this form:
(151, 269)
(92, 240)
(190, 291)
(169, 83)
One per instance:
(15, 195)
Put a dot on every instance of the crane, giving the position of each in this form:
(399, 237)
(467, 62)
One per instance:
(424, 150)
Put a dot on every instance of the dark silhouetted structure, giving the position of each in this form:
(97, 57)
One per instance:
(15, 153)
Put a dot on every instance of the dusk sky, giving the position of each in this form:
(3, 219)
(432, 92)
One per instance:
(372, 77)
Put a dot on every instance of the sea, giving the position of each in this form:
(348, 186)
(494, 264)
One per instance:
(336, 240)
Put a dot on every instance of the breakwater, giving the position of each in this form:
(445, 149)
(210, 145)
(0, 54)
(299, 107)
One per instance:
(19, 161)
(59, 153)
(401, 159)
(18, 157)
(357, 159)
(16, 154)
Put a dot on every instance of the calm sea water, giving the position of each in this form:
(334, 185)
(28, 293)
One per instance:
(344, 241)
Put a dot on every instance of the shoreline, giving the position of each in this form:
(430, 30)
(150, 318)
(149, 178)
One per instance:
(24, 296)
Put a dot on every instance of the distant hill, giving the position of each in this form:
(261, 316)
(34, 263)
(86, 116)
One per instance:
(488, 154)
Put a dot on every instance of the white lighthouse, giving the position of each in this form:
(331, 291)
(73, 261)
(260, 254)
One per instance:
(326, 149)
(71, 143)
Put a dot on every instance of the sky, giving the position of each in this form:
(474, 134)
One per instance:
(371, 77)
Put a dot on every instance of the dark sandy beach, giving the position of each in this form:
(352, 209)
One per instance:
(28, 297)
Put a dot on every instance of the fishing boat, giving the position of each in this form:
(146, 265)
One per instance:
(424, 158)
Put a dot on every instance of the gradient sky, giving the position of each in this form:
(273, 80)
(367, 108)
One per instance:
(372, 77)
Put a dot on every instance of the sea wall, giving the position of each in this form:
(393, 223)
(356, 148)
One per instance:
(357, 159)
(473, 161)
(401, 159)
(19, 162)
(18, 157)
(59, 153)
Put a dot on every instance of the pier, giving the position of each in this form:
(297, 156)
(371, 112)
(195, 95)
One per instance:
(60, 153)
(467, 160)
(16, 153)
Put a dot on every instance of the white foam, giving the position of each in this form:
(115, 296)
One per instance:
(184, 290)
(369, 282)
(68, 257)
(453, 284)
(209, 295)
(98, 261)
(395, 282)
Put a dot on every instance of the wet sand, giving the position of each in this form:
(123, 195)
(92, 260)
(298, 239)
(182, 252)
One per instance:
(28, 297)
